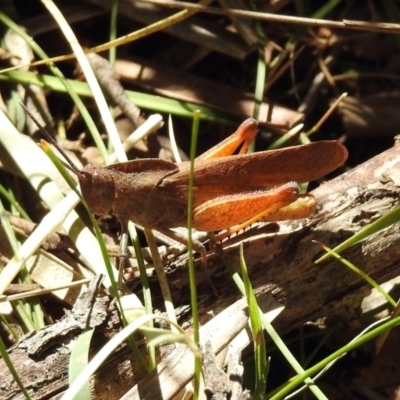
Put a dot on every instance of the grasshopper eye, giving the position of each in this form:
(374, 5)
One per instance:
(98, 188)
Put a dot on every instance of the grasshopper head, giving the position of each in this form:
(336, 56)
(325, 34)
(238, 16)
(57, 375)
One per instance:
(98, 188)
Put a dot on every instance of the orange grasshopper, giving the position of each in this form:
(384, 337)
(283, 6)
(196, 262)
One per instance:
(230, 191)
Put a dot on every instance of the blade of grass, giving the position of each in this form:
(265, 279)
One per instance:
(163, 281)
(319, 14)
(5, 356)
(383, 222)
(75, 98)
(59, 165)
(37, 292)
(266, 322)
(11, 200)
(296, 381)
(23, 151)
(112, 54)
(260, 350)
(142, 100)
(174, 146)
(261, 73)
(152, 124)
(287, 136)
(192, 273)
(111, 272)
(107, 349)
(359, 272)
(78, 361)
(157, 26)
(90, 78)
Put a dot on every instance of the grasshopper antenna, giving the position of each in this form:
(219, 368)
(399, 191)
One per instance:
(69, 164)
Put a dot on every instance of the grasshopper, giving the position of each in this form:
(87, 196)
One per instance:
(230, 191)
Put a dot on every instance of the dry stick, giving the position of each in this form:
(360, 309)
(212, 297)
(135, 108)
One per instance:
(192, 8)
(163, 281)
(108, 80)
(157, 26)
(345, 24)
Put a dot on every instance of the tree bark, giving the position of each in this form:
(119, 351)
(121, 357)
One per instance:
(280, 265)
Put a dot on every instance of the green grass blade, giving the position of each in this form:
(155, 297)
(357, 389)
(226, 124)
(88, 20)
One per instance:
(4, 354)
(296, 381)
(62, 81)
(361, 273)
(266, 322)
(260, 350)
(142, 100)
(192, 273)
(78, 361)
(392, 217)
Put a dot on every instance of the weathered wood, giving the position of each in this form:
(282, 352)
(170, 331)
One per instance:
(280, 265)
